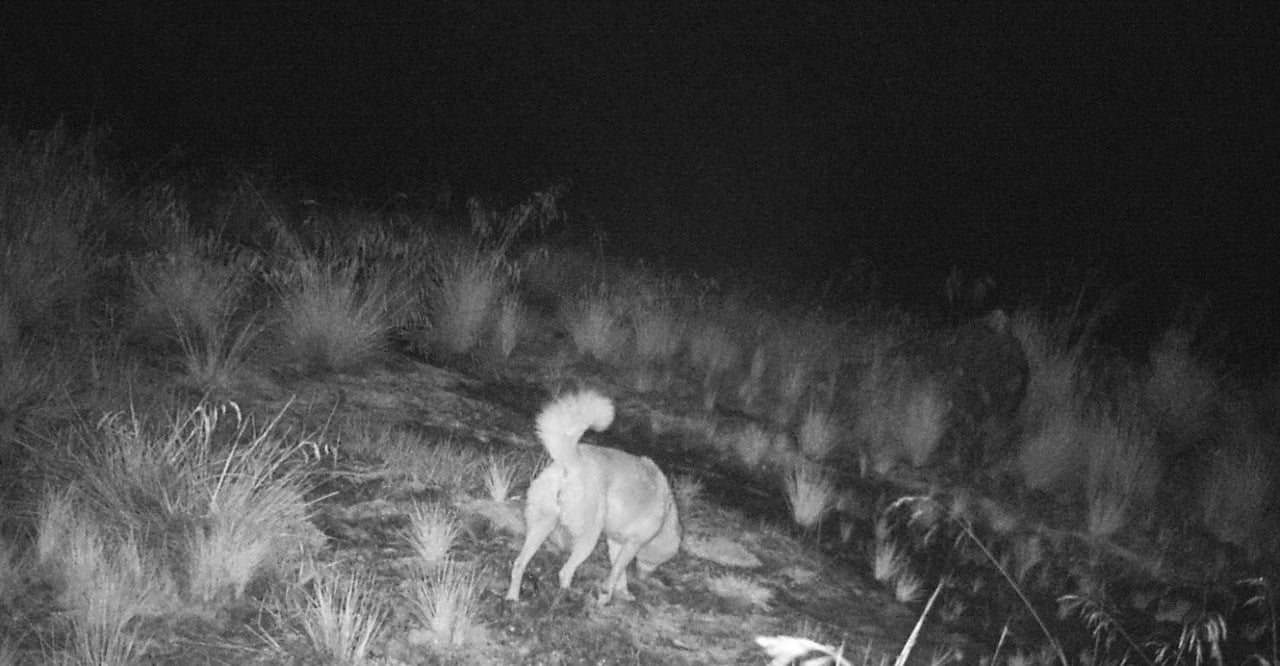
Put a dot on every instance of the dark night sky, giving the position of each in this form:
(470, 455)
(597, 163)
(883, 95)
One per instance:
(1139, 137)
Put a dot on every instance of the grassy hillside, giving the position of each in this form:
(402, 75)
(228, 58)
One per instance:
(236, 426)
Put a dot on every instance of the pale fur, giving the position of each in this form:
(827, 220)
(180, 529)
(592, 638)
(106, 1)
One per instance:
(591, 490)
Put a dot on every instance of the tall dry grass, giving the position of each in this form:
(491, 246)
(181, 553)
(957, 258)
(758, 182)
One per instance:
(221, 505)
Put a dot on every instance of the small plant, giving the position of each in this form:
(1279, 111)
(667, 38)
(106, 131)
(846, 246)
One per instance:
(810, 490)
(446, 601)
(498, 479)
(342, 618)
(432, 533)
(907, 587)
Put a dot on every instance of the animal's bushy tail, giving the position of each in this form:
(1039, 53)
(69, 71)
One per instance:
(562, 423)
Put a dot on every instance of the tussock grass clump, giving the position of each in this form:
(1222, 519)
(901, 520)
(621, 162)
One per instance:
(597, 322)
(104, 580)
(751, 444)
(810, 490)
(219, 505)
(1056, 455)
(499, 477)
(341, 617)
(1123, 471)
(335, 315)
(465, 287)
(194, 295)
(447, 602)
(432, 533)
(888, 563)
(907, 422)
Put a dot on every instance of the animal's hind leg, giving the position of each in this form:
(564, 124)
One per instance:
(541, 517)
(620, 554)
(583, 544)
(538, 527)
